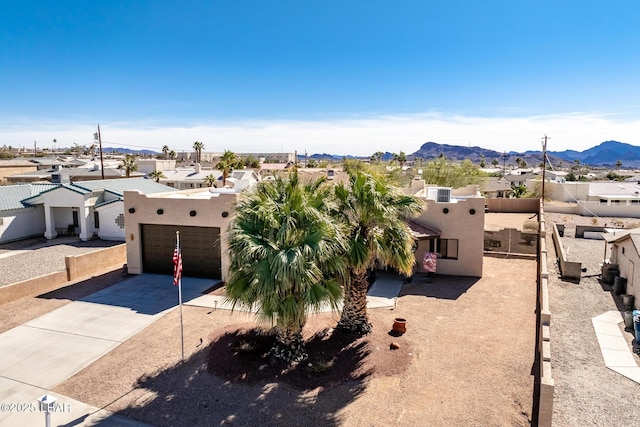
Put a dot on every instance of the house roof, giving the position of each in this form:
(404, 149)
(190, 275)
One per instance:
(612, 189)
(11, 196)
(420, 231)
(15, 163)
(190, 174)
(119, 186)
(73, 173)
(492, 184)
(24, 195)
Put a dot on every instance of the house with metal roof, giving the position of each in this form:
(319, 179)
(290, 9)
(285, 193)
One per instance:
(88, 209)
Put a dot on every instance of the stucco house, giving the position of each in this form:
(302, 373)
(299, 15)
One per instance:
(625, 252)
(607, 198)
(452, 226)
(87, 209)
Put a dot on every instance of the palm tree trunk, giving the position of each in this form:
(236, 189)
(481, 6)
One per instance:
(354, 319)
(289, 345)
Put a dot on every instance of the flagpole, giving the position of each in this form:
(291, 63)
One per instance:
(180, 295)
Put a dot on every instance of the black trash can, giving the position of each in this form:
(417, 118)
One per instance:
(619, 285)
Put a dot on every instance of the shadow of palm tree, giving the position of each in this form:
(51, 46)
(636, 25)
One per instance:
(233, 380)
(442, 287)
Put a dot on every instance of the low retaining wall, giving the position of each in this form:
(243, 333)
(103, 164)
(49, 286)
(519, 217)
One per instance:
(568, 269)
(513, 205)
(546, 384)
(77, 267)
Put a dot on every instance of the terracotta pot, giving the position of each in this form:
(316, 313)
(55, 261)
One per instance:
(399, 325)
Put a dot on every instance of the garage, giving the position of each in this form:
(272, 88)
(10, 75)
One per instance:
(200, 248)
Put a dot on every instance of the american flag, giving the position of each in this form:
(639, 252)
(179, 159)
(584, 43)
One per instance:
(177, 265)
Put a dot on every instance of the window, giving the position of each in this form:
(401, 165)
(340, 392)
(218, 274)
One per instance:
(445, 248)
(96, 219)
(120, 221)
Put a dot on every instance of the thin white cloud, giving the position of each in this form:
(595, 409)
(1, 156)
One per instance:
(359, 136)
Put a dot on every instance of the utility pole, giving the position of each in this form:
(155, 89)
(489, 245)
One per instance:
(544, 165)
(98, 137)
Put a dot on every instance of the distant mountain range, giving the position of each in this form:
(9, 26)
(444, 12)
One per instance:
(607, 153)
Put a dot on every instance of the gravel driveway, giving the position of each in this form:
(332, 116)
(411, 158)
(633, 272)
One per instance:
(31, 258)
(587, 393)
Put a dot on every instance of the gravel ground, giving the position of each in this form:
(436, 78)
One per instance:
(31, 258)
(587, 393)
(469, 351)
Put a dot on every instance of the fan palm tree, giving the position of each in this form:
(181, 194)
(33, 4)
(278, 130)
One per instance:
(165, 151)
(172, 154)
(227, 162)
(198, 147)
(157, 175)
(285, 257)
(210, 180)
(374, 214)
(128, 164)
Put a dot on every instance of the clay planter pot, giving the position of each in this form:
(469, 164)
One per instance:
(399, 325)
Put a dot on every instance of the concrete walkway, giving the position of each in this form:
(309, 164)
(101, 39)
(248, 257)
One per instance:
(42, 353)
(382, 294)
(615, 350)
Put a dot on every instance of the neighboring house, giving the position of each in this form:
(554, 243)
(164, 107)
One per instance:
(610, 198)
(58, 174)
(147, 166)
(493, 187)
(88, 208)
(202, 216)
(452, 226)
(12, 167)
(194, 177)
(625, 252)
(19, 220)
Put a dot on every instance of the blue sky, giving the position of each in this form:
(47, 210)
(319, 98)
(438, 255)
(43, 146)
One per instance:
(348, 77)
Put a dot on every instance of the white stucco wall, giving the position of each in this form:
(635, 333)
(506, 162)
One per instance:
(19, 224)
(109, 227)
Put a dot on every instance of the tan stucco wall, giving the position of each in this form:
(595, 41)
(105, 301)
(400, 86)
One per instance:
(15, 170)
(459, 224)
(176, 207)
(513, 205)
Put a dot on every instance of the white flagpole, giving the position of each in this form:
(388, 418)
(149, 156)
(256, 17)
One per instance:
(180, 293)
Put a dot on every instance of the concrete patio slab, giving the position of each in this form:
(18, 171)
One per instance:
(615, 351)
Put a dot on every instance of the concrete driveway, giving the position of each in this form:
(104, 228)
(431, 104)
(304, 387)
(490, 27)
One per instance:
(38, 355)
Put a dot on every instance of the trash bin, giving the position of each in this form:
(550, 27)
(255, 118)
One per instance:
(636, 324)
(619, 285)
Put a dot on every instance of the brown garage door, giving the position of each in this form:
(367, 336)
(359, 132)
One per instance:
(200, 250)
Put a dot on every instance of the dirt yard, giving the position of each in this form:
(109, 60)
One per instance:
(466, 359)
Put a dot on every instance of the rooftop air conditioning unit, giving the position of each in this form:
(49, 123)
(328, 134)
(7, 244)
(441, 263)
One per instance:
(444, 195)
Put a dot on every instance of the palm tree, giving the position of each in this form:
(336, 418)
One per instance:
(129, 164)
(227, 162)
(284, 251)
(373, 213)
(210, 180)
(165, 151)
(157, 175)
(172, 154)
(618, 165)
(198, 147)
